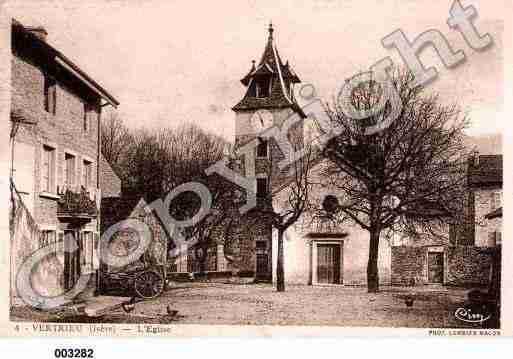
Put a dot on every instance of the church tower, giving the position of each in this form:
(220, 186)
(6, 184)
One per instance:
(268, 101)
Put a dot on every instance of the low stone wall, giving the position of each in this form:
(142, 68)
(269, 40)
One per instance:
(408, 265)
(463, 265)
(468, 265)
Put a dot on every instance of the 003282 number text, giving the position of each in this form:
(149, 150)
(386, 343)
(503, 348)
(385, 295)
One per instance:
(73, 353)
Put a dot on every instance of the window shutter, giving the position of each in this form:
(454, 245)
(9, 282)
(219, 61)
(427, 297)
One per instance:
(53, 98)
(50, 94)
(60, 240)
(42, 239)
(86, 127)
(45, 175)
(95, 249)
(495, 201)
(73, 170)
(491, 239)
(83, 248)
(90, 250)
(498, 238)
(52, 173)
(84, 182)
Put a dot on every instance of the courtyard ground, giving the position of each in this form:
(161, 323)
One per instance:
(260, 304)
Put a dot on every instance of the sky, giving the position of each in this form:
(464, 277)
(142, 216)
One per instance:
(171, 62)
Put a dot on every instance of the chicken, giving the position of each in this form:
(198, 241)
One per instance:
(171, 312)
(128, 306)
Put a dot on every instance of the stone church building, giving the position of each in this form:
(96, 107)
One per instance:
(315, 253)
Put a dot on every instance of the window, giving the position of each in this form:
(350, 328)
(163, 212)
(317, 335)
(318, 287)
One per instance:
(87, 174)
(261, 245)
(263, 87)
(496, 201)
(330, 204)
(48, 169)
(46, 238)
(69, 170)
(453, 240)
(261, 187)
(262, 147)
(50, 93)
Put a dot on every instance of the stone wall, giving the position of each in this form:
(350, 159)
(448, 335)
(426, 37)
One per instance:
(463, 265)
(110, 183)
(408, 265)
(483, 205)
(468, 265)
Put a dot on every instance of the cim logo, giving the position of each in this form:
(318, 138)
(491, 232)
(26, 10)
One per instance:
(466, 315)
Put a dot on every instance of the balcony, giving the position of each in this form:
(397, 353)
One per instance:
(77, 204)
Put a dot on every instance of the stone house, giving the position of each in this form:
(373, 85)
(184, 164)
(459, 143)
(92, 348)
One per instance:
(463, 256)
(485, 189)
(55, 160)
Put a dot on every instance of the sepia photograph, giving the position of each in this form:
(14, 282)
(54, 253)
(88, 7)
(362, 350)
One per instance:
(324, 164)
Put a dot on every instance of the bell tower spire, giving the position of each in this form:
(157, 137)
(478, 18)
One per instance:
(269, 84)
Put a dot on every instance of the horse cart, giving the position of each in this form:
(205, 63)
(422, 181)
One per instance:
(145, 282)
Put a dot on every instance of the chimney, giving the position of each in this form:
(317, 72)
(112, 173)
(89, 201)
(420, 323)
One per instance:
(39, 31)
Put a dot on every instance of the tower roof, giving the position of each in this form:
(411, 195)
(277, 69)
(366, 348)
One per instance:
(281, 76)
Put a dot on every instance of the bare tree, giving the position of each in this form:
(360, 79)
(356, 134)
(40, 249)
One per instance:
(152, 163)
(116, 138)
(409, 176)
(213, 227)
(191, 150)
(144, 166)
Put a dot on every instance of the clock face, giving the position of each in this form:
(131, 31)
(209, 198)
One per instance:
(262, 120)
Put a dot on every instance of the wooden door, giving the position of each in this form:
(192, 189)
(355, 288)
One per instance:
(71, 259)
(328, 263)
(435, 267)
(261, 265)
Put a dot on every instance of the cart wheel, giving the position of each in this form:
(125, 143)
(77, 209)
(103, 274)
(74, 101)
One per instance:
(149, 284)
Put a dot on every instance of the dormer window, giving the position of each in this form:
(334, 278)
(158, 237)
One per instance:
(263, 87)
